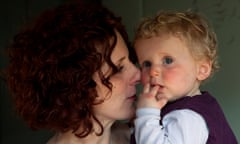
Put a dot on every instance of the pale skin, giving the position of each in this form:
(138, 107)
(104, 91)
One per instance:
(118, 104)
(168, 70)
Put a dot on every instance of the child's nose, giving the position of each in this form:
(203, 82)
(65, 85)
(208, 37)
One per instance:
(154, 71)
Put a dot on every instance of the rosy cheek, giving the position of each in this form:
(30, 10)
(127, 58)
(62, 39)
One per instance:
(169, 76)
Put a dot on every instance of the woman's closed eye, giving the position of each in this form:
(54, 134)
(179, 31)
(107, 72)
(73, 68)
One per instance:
(120, 68)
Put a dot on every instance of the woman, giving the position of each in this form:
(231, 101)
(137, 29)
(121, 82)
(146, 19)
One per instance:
(70, 73)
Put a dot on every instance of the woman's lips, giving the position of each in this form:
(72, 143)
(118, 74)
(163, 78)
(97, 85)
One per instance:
(132, 97)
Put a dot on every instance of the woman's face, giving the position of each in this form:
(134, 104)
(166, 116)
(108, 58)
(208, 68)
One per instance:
(118, 104)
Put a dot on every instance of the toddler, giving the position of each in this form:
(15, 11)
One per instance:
(177, 52)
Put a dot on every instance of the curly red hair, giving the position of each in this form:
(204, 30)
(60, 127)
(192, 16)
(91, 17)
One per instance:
(52, 64)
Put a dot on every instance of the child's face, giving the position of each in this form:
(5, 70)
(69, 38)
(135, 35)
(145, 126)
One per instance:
(167, 62)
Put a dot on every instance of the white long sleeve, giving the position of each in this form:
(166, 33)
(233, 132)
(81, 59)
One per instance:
(179, 127)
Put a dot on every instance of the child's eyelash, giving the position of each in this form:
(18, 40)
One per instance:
(167, 60)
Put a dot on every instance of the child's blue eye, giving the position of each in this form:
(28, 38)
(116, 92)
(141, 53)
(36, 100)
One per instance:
(146, 64)
(167, 60)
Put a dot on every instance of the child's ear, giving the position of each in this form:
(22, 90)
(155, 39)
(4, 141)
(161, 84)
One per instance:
(204, 70)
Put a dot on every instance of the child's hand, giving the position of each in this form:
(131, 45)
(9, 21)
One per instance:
(150, 98)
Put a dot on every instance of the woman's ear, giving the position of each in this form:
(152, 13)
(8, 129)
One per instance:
(204, 70)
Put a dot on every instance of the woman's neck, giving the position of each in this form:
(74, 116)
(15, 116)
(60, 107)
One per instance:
(71, 138)
(92, 138)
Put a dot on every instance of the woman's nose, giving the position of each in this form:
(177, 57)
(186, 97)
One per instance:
(137, 75)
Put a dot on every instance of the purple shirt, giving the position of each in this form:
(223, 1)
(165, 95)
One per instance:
(207, 106)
